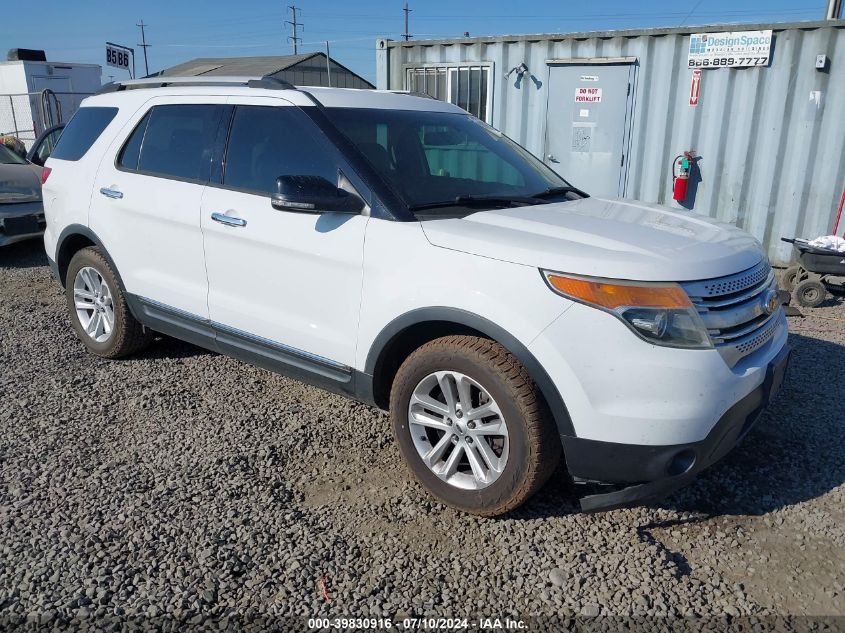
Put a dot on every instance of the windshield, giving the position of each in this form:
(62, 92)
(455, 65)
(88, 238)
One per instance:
(8, 157)
(434, 159)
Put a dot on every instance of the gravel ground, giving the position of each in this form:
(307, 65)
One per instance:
(184, 486)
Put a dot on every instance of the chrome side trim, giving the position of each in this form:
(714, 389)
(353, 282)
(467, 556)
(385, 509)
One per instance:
(178, 316)
(281, 347)
(189, 316)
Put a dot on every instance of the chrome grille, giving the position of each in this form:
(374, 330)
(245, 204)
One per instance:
(737, 283)
(757, 340)
(733, 309)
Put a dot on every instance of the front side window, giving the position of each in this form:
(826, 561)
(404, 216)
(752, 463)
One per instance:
(465, 86)
(268, 142)
(81, 131)
(436, 157)
(178, 141)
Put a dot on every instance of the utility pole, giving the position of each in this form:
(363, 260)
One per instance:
(145, 46)
(295, 25)
(406, 34)
(328, 64)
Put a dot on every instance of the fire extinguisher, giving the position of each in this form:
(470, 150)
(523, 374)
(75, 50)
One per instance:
(681, 166)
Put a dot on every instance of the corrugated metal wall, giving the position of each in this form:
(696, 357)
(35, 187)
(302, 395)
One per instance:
(772, 161)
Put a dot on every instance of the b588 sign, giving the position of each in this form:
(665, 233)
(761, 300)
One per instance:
(117, 57)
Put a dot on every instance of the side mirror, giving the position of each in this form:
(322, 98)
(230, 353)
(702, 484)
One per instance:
(313, 194)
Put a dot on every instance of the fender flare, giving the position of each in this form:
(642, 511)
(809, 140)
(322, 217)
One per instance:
(487, 328)
(79, 229)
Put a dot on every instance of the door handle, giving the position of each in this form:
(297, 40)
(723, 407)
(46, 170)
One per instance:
(111, 193)
(228, 220)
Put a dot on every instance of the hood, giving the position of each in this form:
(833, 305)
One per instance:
(618, 239)
(20, 183)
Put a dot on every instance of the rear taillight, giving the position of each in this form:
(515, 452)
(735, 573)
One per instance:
(45, 174)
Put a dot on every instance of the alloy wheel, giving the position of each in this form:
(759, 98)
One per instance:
(458, 430)
(93, 301)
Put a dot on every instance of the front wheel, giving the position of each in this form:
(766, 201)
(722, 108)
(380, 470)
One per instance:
(472, 426)
(98, 309)
(810, 293)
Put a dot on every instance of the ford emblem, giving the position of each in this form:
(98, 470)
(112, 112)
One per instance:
(772, 302)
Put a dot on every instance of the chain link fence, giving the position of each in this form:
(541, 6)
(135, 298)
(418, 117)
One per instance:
(27, 115)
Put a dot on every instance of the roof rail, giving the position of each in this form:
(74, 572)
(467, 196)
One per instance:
(267, 82)
(411, 93)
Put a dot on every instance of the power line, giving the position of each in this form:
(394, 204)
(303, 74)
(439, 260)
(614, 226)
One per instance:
(295, 39)
(691, 11)
(145, 46)
(526, 16)
(406, 34)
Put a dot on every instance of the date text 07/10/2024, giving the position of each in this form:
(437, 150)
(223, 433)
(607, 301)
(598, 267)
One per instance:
(419, 624)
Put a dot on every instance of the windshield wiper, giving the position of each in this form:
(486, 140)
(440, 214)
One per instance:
(460, 201)
(559, 191)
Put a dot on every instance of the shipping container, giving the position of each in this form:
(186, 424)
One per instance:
(612, 110)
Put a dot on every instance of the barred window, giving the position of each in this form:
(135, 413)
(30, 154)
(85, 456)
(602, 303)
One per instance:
(465, 86)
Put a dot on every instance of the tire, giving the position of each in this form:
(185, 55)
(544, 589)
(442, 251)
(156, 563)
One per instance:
(89, 269)
(809, 293)
(790, 278)
(494, 379)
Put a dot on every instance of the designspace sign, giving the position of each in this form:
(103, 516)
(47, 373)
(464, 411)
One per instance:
(739, 48)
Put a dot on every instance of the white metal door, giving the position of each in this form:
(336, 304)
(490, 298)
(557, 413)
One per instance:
(150, 224)
(290, 279)
(588, 122)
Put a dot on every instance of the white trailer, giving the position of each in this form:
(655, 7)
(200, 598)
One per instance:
(24, 109)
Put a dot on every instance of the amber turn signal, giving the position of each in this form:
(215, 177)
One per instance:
(613, 296)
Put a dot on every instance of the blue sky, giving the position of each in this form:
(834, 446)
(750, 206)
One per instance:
(179, 30)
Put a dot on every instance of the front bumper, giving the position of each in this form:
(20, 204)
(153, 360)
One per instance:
(649, 472)
(21, 221)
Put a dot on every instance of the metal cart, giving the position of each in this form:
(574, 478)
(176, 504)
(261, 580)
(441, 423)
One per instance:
(819, 271)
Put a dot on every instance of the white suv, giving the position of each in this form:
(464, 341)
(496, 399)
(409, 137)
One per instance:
(395, 249)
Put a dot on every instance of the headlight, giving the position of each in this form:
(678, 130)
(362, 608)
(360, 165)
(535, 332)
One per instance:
(659, 313)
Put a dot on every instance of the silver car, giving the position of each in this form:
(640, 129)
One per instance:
(21, 208)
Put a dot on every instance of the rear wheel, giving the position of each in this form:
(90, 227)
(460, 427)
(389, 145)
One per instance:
(809, 293)
(790, 278)
(472, 426)
(98, 309)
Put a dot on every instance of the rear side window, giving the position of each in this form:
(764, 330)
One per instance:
(131, 151)
(82, 130)
(268, 142)
(179, 141)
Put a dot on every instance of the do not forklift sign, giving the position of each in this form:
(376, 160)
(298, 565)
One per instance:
(695, 87)
(588, 95)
